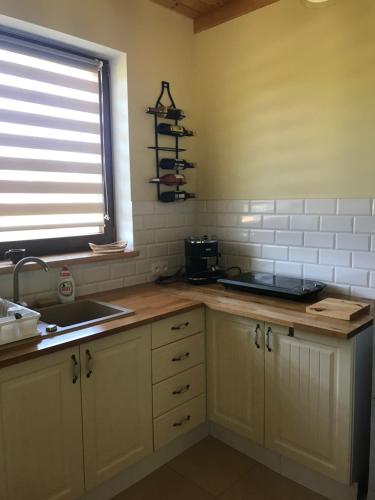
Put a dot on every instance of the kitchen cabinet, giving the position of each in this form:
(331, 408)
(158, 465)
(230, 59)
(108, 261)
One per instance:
(308, 399)
(299, 394)
(116, 403)
(235, 374)
(41, 455)
(178, 375)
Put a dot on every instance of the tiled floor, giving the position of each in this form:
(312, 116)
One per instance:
(212, 470)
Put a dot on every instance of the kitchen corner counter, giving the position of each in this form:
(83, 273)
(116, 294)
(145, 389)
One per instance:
(154, 302)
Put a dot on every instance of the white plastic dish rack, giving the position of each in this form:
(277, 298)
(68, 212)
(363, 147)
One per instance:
(16, 322)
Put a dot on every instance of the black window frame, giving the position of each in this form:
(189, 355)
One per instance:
(71, 244)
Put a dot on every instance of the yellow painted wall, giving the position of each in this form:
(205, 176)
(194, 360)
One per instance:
(158, 44)
(285, 101)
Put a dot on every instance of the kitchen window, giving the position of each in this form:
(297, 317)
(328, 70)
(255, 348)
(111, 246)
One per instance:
(56, 190)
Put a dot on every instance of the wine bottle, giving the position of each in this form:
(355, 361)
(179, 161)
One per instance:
(174, 130)
(175, 164)
(170, 180)
(169, 113)
(170, 196)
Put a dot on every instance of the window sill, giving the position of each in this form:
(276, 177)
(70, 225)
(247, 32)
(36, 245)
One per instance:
(69, 259)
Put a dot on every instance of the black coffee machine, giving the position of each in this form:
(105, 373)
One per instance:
(202, 260)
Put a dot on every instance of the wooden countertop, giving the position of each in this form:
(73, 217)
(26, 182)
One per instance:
(154, 302)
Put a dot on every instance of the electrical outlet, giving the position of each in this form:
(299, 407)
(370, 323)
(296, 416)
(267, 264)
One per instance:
(159, 268)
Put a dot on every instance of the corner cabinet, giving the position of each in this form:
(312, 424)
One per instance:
(308, 400)
(116, 403)
(302, 395)
(235, 374)
(41, 455)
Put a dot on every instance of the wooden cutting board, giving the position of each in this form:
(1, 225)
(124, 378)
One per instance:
(338, 308)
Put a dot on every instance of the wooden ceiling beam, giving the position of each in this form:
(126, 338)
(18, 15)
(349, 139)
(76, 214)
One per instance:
(228, 11)
(179, 7)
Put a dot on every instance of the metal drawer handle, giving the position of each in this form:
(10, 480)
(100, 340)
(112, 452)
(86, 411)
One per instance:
(181, 326)
(75, 369)
(183, 421)
(182, 357)
(257, 330)
(182, 390)
(268, 339)
(88, 363)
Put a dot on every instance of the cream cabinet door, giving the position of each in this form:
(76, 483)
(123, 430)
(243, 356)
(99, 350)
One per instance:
(116, 403)
(235, 371)
(41, 454)
(308, 399)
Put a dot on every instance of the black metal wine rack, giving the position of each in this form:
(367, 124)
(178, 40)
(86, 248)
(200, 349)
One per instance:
(165, 89)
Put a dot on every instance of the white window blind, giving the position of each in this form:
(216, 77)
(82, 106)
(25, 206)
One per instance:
(51, 167)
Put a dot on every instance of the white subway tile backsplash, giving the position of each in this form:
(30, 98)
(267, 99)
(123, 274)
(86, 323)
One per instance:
(316, 236)
(262, 236)
(335, 257)
(207, 219)
(294, 238)
(299, 254)
(217, 206)
(350, 241)
(262, 206)
(275, 252)
(319, 240)
(249, 250)
(275, 222)
(317, 272)
(138, 222)
(176, 247)
(143, 207)
(364, 224)
(353, 206)
(122, 269)
(364, 260)
(366, 293)
(336, 223)
(288, 269)
(163, 235)
(351, 276)
(321, 207)
(304, 222)
(262, 266)
(290, 206)
(250, 220)
(232, 234)
(158, 250)
(228, 247)
(238, 206)
(226, 219)
(144, 237)
(103, 286)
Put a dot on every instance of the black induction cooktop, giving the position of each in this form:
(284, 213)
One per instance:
(271, 284)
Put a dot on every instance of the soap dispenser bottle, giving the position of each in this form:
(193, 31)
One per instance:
(66, 286)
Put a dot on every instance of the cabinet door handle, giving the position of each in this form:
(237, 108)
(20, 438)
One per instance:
(75, 368)
(183, 421)
(256, 341)
(183, 389)
(182, 357)
(268, 339)
(88, 363)
(181, 326)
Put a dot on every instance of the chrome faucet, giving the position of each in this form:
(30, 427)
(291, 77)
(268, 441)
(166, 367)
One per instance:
(17, 269)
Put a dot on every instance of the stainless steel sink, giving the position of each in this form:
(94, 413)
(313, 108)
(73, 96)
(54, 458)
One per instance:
(79, 314)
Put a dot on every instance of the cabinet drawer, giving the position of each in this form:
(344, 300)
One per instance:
(179, 389)
(177, 327)
(179, 421)
(177, 357)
